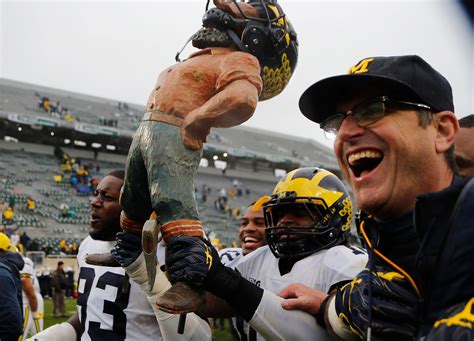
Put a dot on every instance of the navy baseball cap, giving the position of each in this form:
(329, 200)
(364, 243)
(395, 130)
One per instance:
(407, 78)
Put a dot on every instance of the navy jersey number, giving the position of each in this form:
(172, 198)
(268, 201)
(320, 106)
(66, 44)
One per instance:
(112, 308)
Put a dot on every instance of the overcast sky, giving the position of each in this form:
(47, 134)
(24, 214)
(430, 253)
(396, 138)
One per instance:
(117, 49)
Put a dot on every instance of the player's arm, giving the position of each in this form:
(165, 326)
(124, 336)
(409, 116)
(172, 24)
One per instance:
(66, 331)
(196, 261)
(29, 290)
(215, 307)
(128, 253)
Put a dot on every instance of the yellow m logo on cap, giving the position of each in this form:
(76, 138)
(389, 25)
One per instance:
(361, 67)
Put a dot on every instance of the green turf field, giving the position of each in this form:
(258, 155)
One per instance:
(218, 334)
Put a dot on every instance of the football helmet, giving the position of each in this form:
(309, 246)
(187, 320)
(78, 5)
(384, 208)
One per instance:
(5, 244)
(270, 37)
(308, 191)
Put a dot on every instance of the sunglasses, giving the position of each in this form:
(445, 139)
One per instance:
(367, 113)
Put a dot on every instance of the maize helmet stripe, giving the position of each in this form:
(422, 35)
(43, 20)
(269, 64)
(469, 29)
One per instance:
(307, 184)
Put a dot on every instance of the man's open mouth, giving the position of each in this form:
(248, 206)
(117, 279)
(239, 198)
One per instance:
(248, 239)
(364, 161)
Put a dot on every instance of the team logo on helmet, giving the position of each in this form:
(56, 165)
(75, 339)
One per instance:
(320, 195)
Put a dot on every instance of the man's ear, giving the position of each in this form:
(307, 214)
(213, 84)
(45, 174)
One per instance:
(447, 128)
(230, 7)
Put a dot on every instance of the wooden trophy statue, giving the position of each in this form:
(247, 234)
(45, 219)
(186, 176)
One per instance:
(248, 52)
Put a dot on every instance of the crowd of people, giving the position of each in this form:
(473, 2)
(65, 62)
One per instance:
(296, 274)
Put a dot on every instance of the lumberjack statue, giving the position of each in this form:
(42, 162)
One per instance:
(248, 52)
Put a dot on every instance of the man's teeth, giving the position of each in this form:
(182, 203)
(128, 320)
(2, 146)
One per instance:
(353, 158)
(249, 239)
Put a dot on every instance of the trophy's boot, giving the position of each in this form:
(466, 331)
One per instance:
(102, 259)
(181, 298)
(132, 226)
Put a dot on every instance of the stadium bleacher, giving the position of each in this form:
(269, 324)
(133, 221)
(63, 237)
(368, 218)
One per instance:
(29, 135)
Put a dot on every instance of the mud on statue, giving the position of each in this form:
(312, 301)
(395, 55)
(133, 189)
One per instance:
(248, 52)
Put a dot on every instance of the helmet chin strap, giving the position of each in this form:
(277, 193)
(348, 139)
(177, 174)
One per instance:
(236, 40)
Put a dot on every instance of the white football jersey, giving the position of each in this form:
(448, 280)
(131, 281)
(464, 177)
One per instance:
(108, 308)
(29, 271)
(320, 271)
(231, 256)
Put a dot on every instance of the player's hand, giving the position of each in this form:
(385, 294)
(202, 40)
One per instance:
(195, 261)
(127, 249)
(192, 260)
(462, 329)
(300, 297)
(393, 306)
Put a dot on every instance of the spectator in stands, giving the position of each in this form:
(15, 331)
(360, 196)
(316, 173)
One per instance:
(58, 281)
(8, 216)
(44, 104)
(25, 240)
(30, 204)
(3, 206)
(236, 213)
(464, 151)
(11, 317)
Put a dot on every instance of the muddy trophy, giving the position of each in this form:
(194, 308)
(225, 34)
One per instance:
(247, 53)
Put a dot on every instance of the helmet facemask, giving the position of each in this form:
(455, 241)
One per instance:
(300, 241)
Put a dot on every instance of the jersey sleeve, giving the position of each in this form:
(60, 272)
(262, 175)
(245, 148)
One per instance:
(275, 323)
(28, 268)
(239, 66)
(342, 263)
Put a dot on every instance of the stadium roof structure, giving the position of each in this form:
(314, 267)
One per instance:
(102, 123)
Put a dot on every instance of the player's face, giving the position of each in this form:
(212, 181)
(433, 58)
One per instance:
(465, 151)
(252, 230)
(388, 163)
(295, 216)
(105, 214)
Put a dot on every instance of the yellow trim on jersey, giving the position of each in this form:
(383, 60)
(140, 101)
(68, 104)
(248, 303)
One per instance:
(378, 253)
(37, 325)
(25, 322)
(25, 275)
(465, 318)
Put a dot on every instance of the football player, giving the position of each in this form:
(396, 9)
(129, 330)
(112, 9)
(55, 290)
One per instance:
(252, 236)
(33, 306)
(109, 307)
(307, 219)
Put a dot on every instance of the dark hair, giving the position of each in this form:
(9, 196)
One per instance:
(60, 263)
(118, 173)
(467, 122)
(425, 117)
